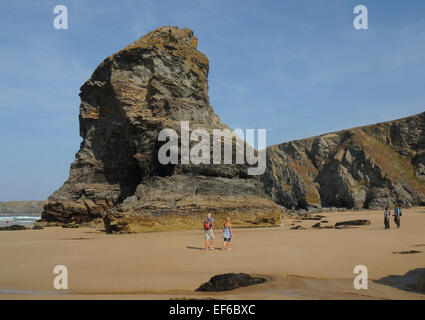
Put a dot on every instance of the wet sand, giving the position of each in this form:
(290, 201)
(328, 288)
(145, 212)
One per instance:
(299, 264)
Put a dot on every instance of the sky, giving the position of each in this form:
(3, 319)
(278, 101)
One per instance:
(297, 68)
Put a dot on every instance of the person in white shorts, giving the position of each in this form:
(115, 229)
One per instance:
(209, 232)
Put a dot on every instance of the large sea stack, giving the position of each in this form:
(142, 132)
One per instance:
(154, 83)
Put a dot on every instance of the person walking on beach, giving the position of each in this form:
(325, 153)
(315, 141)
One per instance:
(209, 231)
(387, 215)
(397, 215)
(227, 234)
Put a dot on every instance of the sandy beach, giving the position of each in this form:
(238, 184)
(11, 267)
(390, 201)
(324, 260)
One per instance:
(298, 264)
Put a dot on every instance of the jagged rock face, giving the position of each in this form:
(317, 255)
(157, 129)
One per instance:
(365, 167)
(154, 83)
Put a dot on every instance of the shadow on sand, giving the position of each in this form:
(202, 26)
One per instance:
(413, 281)
(199, 248)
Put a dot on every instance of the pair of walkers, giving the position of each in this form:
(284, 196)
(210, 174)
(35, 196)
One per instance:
(210, 233)
(387, 215)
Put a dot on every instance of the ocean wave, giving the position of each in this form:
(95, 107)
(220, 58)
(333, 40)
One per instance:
(19, 218)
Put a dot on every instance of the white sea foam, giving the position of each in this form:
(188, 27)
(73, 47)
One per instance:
(17, 219)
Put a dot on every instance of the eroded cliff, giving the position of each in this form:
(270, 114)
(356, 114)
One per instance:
(365, 167)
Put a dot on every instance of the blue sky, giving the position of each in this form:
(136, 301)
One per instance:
(297, 68)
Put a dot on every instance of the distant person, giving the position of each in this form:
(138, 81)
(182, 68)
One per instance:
(387, 215)
(209, 232)
(227, 234)
(397, 215)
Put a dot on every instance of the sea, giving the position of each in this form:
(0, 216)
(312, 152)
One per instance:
(20, 219)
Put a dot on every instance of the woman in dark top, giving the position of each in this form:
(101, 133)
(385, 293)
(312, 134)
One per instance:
(387, 215)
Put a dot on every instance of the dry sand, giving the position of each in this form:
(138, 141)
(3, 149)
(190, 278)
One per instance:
(299, 264)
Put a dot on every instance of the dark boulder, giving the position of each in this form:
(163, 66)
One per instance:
(353, 223)
(13, 227)
(229, 281)
(298, 228)
(407, 252)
